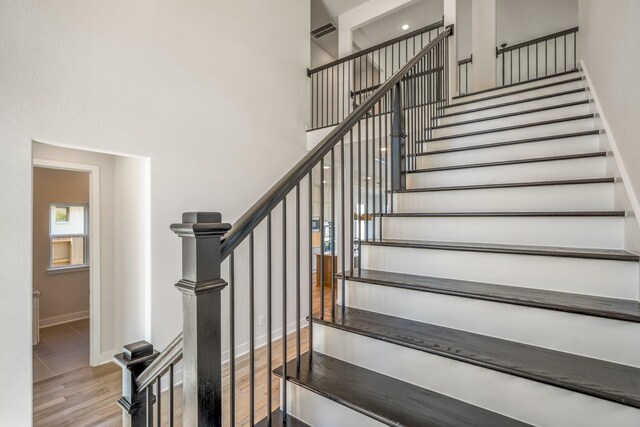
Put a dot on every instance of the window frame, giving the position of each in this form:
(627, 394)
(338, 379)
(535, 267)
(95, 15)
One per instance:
(85, 253)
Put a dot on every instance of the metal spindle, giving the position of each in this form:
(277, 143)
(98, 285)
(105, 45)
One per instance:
(321, 266)
(232, 342)
(284, 306)
(342, 220)
(251, 330)
(298, 248)
(159, 399)
(332, 236)
(269, 318)
(310, 225)
(171, 395)
(149, 404)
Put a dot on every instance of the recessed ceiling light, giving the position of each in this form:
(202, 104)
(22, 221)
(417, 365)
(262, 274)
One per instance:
(405, 26)
(327, 167)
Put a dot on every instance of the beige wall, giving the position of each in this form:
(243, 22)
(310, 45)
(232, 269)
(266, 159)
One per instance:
(61, 293)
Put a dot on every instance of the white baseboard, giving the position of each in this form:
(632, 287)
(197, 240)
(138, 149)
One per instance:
(65, 318)
(105, 357)
(631, 194)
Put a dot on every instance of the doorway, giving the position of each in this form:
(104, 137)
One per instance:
(66, 267)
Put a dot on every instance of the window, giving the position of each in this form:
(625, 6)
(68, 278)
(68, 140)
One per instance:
(67, 236)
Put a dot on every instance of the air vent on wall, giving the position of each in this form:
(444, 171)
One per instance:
(323, 30)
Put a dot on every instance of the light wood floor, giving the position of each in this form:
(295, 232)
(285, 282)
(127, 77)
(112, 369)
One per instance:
(87, 396)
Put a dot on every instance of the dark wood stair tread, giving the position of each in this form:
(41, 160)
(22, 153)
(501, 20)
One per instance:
(508, 128)
(277, 421)
(589, 253)
(505, 214)
(513, 92)
(511, 185)
(589, 305)
(512, 142)
(386, 399)
(513, 114)
(598, 378)
(513, 162)
(506, 104)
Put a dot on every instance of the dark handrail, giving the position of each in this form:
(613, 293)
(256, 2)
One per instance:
(537, 40)
(251, 218)
(466, 60)
(378, 46)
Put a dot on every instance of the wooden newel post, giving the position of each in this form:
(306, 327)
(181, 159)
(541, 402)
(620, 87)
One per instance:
(133, 360)
(201, 285)
(398, 137)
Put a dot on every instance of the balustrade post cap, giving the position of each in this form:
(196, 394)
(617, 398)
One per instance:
(135, 353)
(201, 225)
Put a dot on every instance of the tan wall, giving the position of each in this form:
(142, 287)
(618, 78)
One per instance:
(61, 293)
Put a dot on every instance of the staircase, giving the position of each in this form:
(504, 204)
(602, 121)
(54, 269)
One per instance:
(500, 292)
(480, 275)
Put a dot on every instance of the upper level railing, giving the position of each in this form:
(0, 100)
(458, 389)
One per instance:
(539, 57)
(311, 223)
(341, 85)
(464, 81)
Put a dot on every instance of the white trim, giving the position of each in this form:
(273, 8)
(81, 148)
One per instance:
(64, 318)
(626, 181)
(94, 244)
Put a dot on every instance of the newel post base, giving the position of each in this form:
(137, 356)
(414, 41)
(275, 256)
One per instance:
(133, 360)
(201, 284)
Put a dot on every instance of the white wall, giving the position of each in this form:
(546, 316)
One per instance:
(214, 93)
(522, 20)
(608, 42)
(483, 30)
(319, 56)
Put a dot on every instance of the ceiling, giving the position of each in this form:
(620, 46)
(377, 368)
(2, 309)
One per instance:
(417, 14)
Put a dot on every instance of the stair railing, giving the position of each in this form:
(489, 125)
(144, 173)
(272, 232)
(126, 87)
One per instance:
(333, 199)
(463, 74)
(539, 57)
(338, 87)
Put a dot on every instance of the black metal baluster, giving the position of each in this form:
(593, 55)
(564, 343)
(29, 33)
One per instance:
(528, 78)
(351, 199)
(332, 235)
(321, 266)
(232, 342)
(565, 52)
(310, 225)
(171, 395)
(380, 170)
(555, 55)
(298, 248)
(269, 318)
(575, 64)
(546, 59)
(149, 404)
(284, 307)
(251, 331)
(537, 60)
(321, 97)
(342, 221)
(159, 399)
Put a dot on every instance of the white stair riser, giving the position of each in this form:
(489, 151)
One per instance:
(453, 108)
(567, 332)
(579, 197)
(506, 394)
(583, 232)
(522, 106)
(316, 410)
(590, 167)
(537, 131)
(615, 279)
(556, 147)
(556, 113)
(518, 87)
